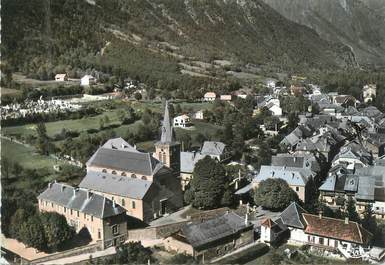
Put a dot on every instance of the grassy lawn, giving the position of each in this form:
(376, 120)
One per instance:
(26, 156)
(10, 92)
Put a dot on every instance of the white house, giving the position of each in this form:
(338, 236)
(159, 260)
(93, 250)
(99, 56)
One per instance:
(270, 83)
(87, 80)
(61, 77)
(347, 237)
(274, 109)
(225, 97)
(209, 96)
(199, 115)
(369, 92)
(182, 121)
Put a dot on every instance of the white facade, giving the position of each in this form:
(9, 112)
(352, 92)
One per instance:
(276, 110)
(265, 234)
(61, 77)
(209, 96)
(369, 92)
(182, 121)
(87, 80)
(199, 115)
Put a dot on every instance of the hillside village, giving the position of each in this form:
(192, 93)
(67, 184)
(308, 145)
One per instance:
(321, 190)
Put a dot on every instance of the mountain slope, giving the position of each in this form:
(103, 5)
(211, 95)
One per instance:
(74, 33)
(358, 24)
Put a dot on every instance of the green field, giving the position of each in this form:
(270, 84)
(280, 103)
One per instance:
(26, 156)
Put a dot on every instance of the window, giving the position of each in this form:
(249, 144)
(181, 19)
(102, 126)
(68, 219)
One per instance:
(104, 170)
(99, 234)
(321, 241)
(123, 203)
(71, 212)
(113, 172)
(65, 209)
(133, 205)
(85, 215)
(115, 229)
(124, 174)
(133, 176)
(52, 204)
(46, 203)
(297, 189)
(92, 218)
(77, 213)
(144, 178)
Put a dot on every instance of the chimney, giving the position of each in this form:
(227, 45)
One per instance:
(320, 214)
(62, 188)
(89, 194)
(346, 220)
(50, 185)
(113, 203)
(246, 219)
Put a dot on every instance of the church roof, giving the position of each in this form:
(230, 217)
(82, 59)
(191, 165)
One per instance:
(167, 131)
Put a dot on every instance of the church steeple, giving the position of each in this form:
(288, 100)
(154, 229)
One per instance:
(167, 131)
(167, 150)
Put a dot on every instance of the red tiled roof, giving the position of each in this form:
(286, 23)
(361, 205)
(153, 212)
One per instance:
(268, 223)
(336, 228)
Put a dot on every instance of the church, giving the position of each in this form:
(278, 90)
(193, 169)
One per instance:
(146, 185)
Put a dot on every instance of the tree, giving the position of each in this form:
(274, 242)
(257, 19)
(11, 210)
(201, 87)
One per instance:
(209, 184)
(185, 140)
(369, 220)
(138, 96)
(5, 166)
(57, 231)
(17, 219)
(31, 233)
(133, 253)
(274, 194)
(351, 212)
(101, 123)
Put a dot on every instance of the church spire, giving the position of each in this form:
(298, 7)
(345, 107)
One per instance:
(167, 133)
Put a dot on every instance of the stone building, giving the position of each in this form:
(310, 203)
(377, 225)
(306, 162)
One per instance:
(103, 219)
(212, 238)
(146, 185)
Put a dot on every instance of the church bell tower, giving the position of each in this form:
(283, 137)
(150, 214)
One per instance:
(167, 150)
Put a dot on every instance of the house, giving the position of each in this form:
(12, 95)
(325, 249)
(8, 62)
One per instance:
(297, 90)
(270, 83)
(212, 238)
(216, 150)
(369, 92)
(296, 160)
(182, 121)
(209, 96)
(86, 211)
(146, 185)
(87, 80)
(365, 185)
(296, 178)
(274, 109)
(61, 77)
(199, 115)
(225, 97)
(345, 100)
(347, 237)
(271, 232)
(187, 165)
(353, 154)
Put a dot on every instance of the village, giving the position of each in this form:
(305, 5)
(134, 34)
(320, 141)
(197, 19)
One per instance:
(321, 194)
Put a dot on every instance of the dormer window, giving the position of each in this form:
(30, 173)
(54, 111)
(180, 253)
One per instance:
(124, 174)
(104, 170)
(133, 176)
(113, 172)
(144, 177)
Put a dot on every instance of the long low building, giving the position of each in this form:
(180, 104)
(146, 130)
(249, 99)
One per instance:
(100, 217)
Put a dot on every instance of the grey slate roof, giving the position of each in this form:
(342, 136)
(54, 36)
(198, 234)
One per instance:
(214, 229)
(120, 144)
(188, 161)
(292, 216)
(296, 160)
(167, 132)
(76, 199)
(133, 162)
(213, 148)
(293, 176)
(124, 186)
